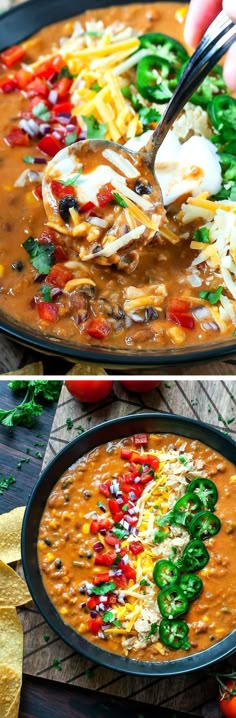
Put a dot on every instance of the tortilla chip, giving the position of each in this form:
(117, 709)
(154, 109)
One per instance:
(10, 535)
(82, 368)
(11, 639)
(13, 591)
(35, 369)
(14, 709)
(10, 684)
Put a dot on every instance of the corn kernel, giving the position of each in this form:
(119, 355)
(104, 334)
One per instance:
(205, 619)
(2, 270)
(50, 556)
(53, 524)
(232, 480)
(82, 628)
(86, 528)
(66, 579)
(64, 611)
(177, 334)
(41, 545)
(180, 15)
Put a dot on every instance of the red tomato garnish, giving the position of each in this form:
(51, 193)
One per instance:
(63, 87)
(48, 312)
(101, 578)
(47, 236)
(128, 571)
(105, 488)
(114, 506)
(12, 55)
(48, 68)
(105, 559)
(37, 87)
(94, 527)
(17, 138)
(179, 305)
(58, 276)
(59, 190)
(139, 386)
(23, 78)
(140, 439)
(89, 390)
(105, 194)
(8, 84)
(63, 108)
(136, 547)
(60, 254)
(120, 581)
(98, 328)
(125, 453)
(50, 145)
(95, 624)
(118, 517)
(112, 540)
(87, 207)
(186, 321)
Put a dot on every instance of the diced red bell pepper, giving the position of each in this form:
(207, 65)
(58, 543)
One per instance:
(129, 571)
(179, 305)
(12, 55)
(95, 624)
(47, 236)
(60, 254)
(48, 68)
(114, 506)
(105, 194)
(136, 547)
(17, 138)
(37, 87)
(63, 87)
(98, 328)
(23, 78)
(134, 470)
(50, 145)
(140, 439)
(62, 108)
(87, 207)
(59, 276)
(92, 602)
(186, 321)
(105, 559)
(8, 84)
(94, 526)
(127, 478)
(120, 581)
(59, 190)
(112, 540)
(101, 578)
(118, 517)
(48, 312)
(125, 454)
(104, 489)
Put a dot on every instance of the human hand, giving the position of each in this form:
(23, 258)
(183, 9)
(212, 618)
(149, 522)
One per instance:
(201, 13)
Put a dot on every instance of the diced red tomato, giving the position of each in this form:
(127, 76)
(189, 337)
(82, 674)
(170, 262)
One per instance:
(106, 524)
(47, 236)
(129, 571)
(105, 488)
(105, 559)
(98, 328)
(105, 194)
(17, 138)
(112, 540)
(120, 581)
(36, 100)
(95, 624)
(60, 254)
(148, 459)
(118, 517)
(63, 87)
(126, 488)
(92, 602)
(59, 190)
(140, 439)
(37, 87)
(94, 526)
(127, 478)
(62, 108)
(136, 547)
(101, 578)
(48, 68)
(186, 321)
(12, 55)
(58, 276)
(87, 207)
(48, 312)
(134, 470)
(137, 490)
(125, 454)
(8, 84)
(112, 599)
(23, 78)
(179, 305)
(145, 479)
(114, 506)
(50, 145)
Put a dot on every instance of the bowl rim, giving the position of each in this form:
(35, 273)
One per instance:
(117, 428)
(13, 24)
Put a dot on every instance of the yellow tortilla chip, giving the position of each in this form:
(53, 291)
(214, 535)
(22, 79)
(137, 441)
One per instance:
(14, 709)
(10, 683)
(35, 369)
(85, 369)
(13, 591)
(11, 639)
(10, 535)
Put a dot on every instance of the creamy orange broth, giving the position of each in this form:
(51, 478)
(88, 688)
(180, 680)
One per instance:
(65, 536)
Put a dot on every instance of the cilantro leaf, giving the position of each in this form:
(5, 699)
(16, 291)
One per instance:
(153, 630)
(202, 235)
(25, 412)
(5, 482)
(65, 72)
(70, 138)
(95, 129)
(46, 292)
(148, 115)
(41, 255)
(71, 180)
(211, 297)
(104, 588)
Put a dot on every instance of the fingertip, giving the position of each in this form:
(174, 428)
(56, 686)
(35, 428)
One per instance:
(230, 9)
(230, 68)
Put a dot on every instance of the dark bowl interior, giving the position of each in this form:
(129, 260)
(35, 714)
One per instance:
(110, 430)
(15, 25)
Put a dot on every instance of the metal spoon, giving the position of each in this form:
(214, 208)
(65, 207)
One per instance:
(217, 39)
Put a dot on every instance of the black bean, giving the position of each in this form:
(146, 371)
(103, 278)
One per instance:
(58, 563)
(47, 542)
(89, 554)
(64, 206)
(82, 590)
(67, 499)
(87, 494)
(17, 265)
(150, 314)
(142, 187)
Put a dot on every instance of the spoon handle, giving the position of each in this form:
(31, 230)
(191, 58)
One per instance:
(217, 39)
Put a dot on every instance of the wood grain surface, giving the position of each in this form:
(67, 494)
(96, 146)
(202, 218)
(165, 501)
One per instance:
(210, 401)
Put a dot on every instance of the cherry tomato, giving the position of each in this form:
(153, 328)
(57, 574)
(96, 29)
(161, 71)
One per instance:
(89, 390)
(139, 386)
(227, 702)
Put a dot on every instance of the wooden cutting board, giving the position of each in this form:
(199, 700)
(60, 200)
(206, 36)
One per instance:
(210, 401)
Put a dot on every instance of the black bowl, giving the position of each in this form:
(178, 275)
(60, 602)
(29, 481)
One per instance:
(110, 430)
(15, 25)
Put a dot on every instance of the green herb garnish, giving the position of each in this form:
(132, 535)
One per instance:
(202, 235)
(95, 129)
(46, 292)
(65, 72)
(71, 181)
(95, 87)
(57, 664)
(104, 588)
(119, 200)
(211, 297)
(41, 111)
(70, 138)
(24, 412)
(148, 115)
(159, 536)
(41, 255)
(153, 630)
(69, 423)
(5, 482)
(46, 638)
(143, 582)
